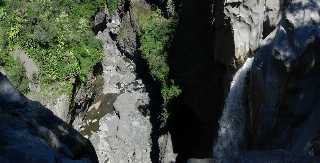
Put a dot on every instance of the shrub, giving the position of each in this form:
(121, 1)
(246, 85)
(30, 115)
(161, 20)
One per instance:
(55, 33)
(112, 6)
(15, 71)
(155, 39)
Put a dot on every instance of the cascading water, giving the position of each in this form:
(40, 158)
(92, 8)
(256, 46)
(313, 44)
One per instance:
(233, 116)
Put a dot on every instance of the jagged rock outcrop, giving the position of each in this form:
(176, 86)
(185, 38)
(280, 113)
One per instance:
(272, 118)
(118, 124)
(115, 109)
(122, 134)
(251, 21)
(31, 133)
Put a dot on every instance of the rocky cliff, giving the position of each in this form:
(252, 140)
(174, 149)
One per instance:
(267, 116)
(176, 79)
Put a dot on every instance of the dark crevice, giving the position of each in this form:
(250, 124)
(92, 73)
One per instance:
(113, 36)
(155, 106)
(97, 69)
(73, 107)
(267, 28)
(201, 64)
(235, 4)
(101, 26)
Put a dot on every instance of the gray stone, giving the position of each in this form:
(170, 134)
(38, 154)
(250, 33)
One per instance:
(113, 23)
(117, 69)
(247, 20)
(127, 37)
(60, 107)
(122, 135)
(100, 18)
(166, 149)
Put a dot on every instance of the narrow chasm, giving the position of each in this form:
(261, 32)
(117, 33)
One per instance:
(159, 81)
(200, 63)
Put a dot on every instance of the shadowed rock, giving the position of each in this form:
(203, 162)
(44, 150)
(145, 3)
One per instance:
(29, 132)
(274, 120)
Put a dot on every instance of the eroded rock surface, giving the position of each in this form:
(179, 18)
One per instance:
(121, 134)
(251, 21)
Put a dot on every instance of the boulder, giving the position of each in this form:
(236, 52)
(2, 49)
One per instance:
(29, 132)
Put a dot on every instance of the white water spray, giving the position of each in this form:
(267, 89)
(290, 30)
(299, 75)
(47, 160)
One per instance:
(232, 123)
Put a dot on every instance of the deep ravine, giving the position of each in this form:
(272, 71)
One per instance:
(179, 81)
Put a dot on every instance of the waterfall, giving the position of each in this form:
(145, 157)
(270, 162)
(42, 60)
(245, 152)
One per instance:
(232, 123)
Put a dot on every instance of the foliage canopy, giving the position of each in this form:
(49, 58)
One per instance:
(56, 34)
(155, 38)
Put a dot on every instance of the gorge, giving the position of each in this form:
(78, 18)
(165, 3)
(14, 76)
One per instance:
(165, 81)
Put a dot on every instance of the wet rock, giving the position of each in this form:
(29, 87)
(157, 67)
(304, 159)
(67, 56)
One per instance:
(9, 94)
(272, 116)
(284, 69)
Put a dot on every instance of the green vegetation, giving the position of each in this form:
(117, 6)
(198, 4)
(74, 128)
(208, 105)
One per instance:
(56, 34)
(16, 71)
(112, 6)
(156, 34)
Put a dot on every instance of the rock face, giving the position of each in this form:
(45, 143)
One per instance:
(31, 133)
(271, 117)
(124, 134)
(119, 128)
(269, 110)
(60, 107)
(251, 21)
(118, 70)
